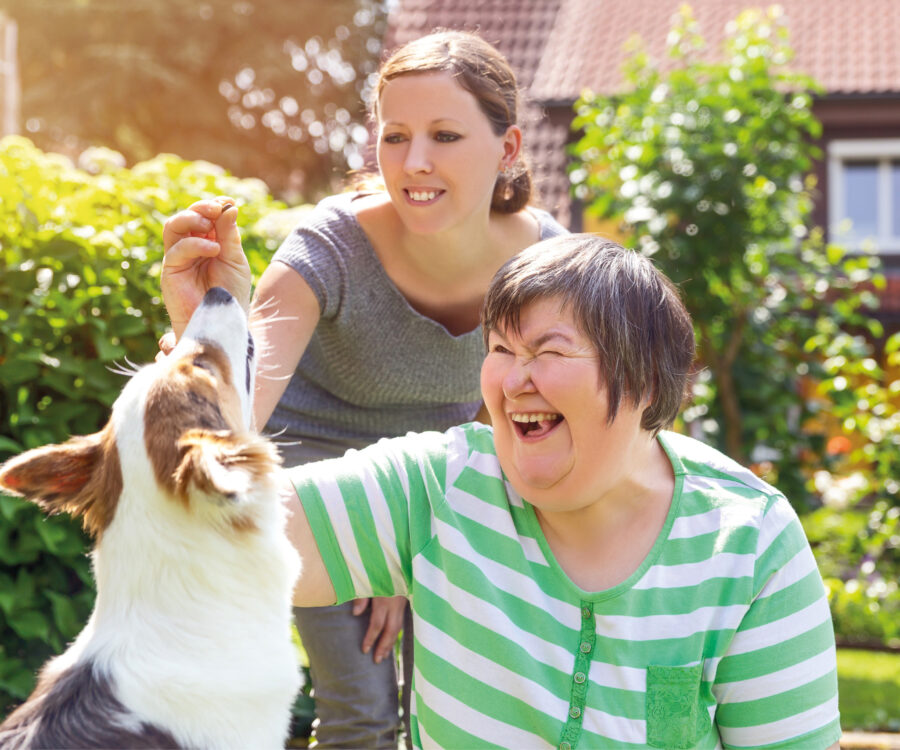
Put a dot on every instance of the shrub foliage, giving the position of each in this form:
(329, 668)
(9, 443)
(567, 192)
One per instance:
(80, 253)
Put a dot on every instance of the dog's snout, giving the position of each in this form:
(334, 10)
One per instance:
(217, 296)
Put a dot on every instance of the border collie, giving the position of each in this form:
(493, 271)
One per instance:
(189, 644)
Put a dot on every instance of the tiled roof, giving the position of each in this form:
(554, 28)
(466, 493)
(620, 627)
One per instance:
(559, 47)
(848, 46)
(518, 28)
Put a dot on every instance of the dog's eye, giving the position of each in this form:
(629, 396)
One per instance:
(203, 364)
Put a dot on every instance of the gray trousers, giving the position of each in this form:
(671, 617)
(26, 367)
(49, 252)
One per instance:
(356, 699)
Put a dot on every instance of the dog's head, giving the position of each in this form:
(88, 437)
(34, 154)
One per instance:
(180, 430)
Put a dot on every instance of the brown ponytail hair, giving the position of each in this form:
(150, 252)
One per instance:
(482, 71)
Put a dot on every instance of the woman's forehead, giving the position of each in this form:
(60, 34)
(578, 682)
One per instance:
(540, 319)
(432, 93)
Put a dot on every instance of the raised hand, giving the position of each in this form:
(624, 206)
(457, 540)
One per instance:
(202, 250)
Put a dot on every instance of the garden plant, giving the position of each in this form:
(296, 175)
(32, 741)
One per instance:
(707, 167)
(80, 249)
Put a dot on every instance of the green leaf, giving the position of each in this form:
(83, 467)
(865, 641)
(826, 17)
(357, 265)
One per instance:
(18, 371)
(65, 617)
(30, 624)
(8, 445)
(16, 680)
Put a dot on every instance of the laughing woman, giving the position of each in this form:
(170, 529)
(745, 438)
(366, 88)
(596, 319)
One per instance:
(579, 575)
(373, 307)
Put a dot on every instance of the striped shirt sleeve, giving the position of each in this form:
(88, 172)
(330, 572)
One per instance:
(777, 684)
(360, 508)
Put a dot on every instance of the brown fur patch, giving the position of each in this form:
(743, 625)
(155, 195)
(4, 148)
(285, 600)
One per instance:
(245, 452)
(189, 398)
(82, 476)
(243, 524)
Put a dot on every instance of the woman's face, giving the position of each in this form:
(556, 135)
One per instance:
(437, 152)
(548, 405)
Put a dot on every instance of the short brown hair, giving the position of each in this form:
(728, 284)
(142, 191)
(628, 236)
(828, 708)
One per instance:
(482, 71)
(631, 312)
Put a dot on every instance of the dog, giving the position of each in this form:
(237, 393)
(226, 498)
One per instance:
(189, 644)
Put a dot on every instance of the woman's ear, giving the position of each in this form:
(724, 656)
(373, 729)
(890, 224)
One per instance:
(512, 146)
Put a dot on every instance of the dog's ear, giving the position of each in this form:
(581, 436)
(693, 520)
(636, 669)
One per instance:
(82, 477)
(223, 464)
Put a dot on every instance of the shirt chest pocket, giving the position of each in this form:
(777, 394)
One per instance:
(676, 717)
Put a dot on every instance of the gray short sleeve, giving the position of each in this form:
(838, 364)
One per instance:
(320, 248)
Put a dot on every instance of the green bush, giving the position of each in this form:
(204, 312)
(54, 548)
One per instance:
(706, 165)
(80, 253)
(856, 533)
(856, 549)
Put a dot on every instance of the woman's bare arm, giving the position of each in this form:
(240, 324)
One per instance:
(283, 316)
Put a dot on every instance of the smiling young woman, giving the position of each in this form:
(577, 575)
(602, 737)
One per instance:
(368, 317)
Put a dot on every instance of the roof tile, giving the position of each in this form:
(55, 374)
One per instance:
(848, 47)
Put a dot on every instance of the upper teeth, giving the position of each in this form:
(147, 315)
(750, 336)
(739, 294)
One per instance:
(427, 196)
(538, 417)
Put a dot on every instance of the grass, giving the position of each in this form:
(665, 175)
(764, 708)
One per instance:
(869, 686)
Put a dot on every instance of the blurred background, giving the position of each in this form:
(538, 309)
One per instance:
(269, 89)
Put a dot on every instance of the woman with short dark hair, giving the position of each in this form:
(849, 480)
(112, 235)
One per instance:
(579, 576)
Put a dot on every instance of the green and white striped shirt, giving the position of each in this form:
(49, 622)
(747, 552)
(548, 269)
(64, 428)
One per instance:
(722, 637)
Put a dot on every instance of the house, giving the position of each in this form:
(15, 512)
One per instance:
(560, 47)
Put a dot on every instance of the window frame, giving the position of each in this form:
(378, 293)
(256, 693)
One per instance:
(883, 151)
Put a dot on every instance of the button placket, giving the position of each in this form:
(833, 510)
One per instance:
(583, 656)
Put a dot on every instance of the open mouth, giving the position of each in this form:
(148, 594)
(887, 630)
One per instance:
(424, 196)
(535, 424)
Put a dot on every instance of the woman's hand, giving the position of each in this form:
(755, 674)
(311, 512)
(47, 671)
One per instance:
(202, 250)
(385, 624)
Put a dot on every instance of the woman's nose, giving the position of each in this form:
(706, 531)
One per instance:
(517, 379)
(418, 159)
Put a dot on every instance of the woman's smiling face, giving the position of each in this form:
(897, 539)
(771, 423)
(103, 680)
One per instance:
(543, 388)
(437, 151)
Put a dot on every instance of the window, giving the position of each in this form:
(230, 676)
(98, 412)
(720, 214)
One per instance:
(864, 193)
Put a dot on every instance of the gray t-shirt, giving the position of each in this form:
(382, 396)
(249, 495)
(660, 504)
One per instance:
(375, 367)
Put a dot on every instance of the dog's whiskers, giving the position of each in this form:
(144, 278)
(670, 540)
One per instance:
(119, 369)
(264, 376)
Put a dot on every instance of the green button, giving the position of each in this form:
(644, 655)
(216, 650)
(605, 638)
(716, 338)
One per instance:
(586, 612)
(585, 647)
(565, 746)
(580, 677)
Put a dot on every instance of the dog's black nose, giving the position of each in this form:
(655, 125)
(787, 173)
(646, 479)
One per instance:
(217, 296)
